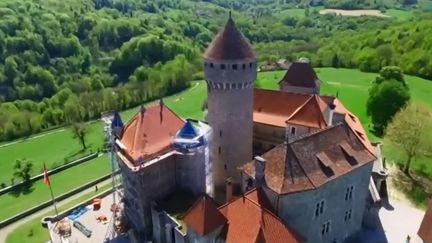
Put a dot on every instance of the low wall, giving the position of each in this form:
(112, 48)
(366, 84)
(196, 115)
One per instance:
(51, 172)
(49, 202)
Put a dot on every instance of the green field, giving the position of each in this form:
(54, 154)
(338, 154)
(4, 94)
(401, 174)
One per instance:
(399, 14)
(52, 148)
(62, 182)
(33, 232)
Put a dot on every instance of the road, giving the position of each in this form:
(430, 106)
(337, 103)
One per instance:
(6, 230)
(402, 220)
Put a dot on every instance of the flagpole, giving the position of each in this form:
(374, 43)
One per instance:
(47, 182)
(53, 200)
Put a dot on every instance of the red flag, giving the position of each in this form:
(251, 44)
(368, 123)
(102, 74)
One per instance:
(46, 178)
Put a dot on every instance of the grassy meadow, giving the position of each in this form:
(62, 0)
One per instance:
(13, 203)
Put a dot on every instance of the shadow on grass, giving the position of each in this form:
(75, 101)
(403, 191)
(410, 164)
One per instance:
(23, 189)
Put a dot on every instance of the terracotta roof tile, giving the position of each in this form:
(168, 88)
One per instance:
(250, 222)
(150, 133)
(229, 44)
(204, 217)
(301, 74)
(312, 160)
(310, 114)
(275, 107)
(425, 230)
(352, 121)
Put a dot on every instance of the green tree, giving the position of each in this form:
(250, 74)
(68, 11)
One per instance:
(385, 100)
(410, 130)
(23, 169)
(80, 132)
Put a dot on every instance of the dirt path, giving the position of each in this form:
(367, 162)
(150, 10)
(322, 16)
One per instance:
(353, 13)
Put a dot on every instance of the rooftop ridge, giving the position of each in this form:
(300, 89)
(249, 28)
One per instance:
(307, 135)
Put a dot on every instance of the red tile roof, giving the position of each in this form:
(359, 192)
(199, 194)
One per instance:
(229, 44)
(310, 114)
(274, 107)
(278, 108)
(204, 217)
(150, 133)
(425, 230)
(301, 74)
(250, 222)
(352, 121)
(313, 160)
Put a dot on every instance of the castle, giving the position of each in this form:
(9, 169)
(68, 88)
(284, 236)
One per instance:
(266, 166)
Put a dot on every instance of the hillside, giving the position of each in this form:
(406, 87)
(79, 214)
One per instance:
(65, 62)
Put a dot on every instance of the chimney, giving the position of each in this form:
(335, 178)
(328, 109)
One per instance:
(229, 189)
(332, 106)
(259, 163)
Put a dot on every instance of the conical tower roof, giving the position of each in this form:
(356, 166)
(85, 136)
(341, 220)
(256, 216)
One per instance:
(229, 44)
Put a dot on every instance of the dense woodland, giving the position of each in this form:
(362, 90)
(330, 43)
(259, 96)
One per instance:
(67, 61)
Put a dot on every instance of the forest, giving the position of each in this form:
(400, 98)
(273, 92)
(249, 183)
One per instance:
(67, 61)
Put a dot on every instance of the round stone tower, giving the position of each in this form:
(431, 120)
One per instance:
(230, 72)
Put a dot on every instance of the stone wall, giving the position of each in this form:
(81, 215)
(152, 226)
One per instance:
(190, 172)
(298, 209)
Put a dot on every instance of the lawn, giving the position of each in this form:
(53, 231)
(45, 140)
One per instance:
(51, 147)
(65, 181)
(33, 232)
(399, 14)
(295, 12)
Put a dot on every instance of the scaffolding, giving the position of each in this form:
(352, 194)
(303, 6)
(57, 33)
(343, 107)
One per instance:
(112, 129)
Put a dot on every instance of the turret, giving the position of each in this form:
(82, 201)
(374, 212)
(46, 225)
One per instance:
(230, 73)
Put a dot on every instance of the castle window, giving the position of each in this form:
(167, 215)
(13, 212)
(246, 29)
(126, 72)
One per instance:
(244, 66)
(325, 228)
(219, 150)
(293, 130)
(250, 65)
(234, 66)
(348, 193)
(225, 166)
(319, 208)
(220, 133)
(348, 215)
(222, 66)
(211, 65)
